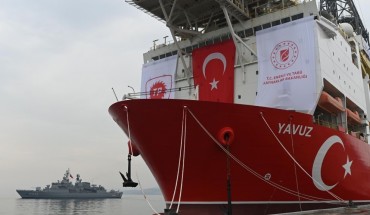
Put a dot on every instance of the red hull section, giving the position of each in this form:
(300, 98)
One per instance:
(281, 161)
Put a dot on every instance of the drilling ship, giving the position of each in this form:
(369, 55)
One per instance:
(256, 107)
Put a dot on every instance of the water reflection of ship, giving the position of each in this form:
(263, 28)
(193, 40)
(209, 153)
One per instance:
(67, 206)
(66, 189)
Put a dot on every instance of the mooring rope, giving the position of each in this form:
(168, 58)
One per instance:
(295, 161)
(295, 167)
(137, 176)
(183, 159)
(273, 184)
(183, 136)
(179, 162)
(128, 131)
(146, 199)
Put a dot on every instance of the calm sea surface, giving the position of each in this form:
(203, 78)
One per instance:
(130, 204)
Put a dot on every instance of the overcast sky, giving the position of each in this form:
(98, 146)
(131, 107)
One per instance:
(59, 60)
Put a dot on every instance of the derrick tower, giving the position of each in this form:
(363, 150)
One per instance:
(341, 11)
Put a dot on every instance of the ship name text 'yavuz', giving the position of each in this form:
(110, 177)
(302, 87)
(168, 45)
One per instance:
(301, 130)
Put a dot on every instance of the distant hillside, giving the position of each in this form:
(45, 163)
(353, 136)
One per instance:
(137, 191)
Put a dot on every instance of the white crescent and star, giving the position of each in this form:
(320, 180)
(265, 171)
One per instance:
(210, 57)
(214, 84)
(317, 164)
(347, 167)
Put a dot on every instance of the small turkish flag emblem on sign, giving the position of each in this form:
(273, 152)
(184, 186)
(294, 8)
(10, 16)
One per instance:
(159, 87)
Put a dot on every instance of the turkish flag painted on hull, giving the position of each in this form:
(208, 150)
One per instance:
(213, 68)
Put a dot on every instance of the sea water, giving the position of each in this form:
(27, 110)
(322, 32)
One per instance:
(130, 204)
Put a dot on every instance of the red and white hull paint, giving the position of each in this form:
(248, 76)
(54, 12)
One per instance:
(285, 161)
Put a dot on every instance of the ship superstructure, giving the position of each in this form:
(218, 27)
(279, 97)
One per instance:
(211, 27)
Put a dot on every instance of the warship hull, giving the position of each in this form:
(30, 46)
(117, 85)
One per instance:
(32, 194)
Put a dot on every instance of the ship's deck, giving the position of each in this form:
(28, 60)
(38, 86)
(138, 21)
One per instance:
(194, 10)
(192, 17)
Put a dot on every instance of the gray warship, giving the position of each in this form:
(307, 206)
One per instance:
(65, 189)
